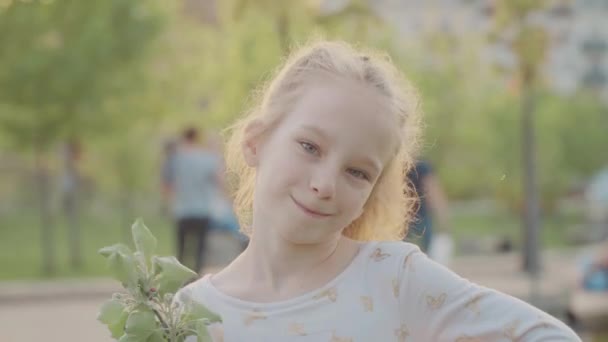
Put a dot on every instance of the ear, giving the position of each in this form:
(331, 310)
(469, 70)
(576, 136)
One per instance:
(252, 141)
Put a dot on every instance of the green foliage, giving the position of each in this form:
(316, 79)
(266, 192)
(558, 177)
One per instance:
(64, 58)
(128, 86)
(122, 264)
(144, 241)
(113, 313)
(169, 274)
(356, 22)
(472, 127)
(530, 46)
(147, 311)
(140, 325)
(508, 12)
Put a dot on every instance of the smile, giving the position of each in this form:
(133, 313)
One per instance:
(308, 211)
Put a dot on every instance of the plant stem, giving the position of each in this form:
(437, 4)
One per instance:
(160, 318)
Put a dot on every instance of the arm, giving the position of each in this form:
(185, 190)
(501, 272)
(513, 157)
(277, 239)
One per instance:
(438, 305)
(167, 186)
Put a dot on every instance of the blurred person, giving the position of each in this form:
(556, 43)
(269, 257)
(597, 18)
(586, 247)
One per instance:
(196, 175)
(71, 177)
(595, 269)
(432, 204)
(596, 197)
(319, 190)
(71, 190)
(167, 174)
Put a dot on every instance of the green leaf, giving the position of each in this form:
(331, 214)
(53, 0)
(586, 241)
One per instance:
(141, 324)
(110, 311)
(195, 311)
(140, 259)
(144, 241)
(130, 338)
(121, 263)
(157, 336)
(114, 315)
(202, 333)
(171, 274)
(117, 248)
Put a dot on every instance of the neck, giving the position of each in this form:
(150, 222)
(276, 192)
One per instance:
(278, 264)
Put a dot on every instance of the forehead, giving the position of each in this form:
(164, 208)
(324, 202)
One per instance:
(348, 113)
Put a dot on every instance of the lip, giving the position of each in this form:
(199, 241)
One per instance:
(308, 211)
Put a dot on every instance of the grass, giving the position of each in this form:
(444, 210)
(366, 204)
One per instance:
(603, 338)
(20, 246)
(554, 229)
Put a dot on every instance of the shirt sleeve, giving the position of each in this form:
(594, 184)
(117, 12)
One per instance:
(438, 305)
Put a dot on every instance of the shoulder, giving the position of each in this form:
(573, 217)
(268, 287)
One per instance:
(391, 250)
(186, 292)
(388, 258)
(198, 291)
(381, 272)
(408, 267)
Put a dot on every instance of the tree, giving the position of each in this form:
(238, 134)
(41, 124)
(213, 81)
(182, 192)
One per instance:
(278, 10)
(358, 15)
(528, 40)
(65, 59)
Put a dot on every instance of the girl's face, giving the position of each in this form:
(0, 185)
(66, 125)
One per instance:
(317, 168)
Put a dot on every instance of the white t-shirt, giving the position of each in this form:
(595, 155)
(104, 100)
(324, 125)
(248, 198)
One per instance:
(390, 292)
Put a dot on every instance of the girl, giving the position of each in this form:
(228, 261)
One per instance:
(318, 167)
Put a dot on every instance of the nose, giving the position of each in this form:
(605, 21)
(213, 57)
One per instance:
(323, 183)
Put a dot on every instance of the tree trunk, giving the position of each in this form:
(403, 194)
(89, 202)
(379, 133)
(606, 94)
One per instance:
(125, 173)
(71, 209)
(531, 214)
(283, 30)
(127, 213)
(46, 224)
(73, 221)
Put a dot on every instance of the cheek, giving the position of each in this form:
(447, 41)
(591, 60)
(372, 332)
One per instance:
(355, 199)
(282, 169)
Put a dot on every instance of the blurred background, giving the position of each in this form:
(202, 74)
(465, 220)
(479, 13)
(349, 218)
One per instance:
(93, 93)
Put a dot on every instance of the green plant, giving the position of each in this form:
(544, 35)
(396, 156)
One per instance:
(147, 311)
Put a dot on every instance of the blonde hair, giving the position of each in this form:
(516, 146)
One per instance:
(388, 209)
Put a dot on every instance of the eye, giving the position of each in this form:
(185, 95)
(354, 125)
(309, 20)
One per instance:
(308, 147)
(359, 174)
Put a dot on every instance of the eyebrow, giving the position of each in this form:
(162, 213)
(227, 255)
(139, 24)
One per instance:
(372, 163)
(316, 130)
